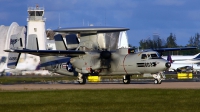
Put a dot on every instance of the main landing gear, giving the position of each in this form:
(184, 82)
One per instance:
(159, 77)
(81, 78)
(126, 79)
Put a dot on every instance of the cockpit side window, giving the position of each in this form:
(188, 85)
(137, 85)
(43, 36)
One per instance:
(144, 56)
(154, 55)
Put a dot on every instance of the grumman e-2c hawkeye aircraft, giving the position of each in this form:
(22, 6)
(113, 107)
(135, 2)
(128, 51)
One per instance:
(90, 59)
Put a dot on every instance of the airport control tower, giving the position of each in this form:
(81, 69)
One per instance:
(36, 25)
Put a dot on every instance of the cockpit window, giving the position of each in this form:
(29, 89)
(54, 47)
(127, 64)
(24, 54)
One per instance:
(144, 56)
(154, 55)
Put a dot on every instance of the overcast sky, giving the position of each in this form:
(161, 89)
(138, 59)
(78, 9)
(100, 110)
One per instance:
(143, 17)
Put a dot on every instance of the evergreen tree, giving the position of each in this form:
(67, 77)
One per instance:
(171, 41)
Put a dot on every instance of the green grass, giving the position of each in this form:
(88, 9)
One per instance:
(125, 100)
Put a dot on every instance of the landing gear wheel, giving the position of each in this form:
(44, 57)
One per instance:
(156, 81)
(127, 79)
(159, 77)
(82, 80)
(160, 82)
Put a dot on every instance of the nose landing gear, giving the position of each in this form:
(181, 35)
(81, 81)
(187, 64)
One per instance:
(126, 79)
(159, 77)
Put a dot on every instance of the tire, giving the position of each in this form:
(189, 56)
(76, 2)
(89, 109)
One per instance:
(127, 80)
(83, 80)
(156, 81)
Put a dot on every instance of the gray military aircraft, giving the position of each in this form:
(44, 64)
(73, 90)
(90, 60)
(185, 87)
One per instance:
(90, 59)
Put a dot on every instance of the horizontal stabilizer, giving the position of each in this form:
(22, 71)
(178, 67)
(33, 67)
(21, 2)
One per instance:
(91, 29)
(70, 53)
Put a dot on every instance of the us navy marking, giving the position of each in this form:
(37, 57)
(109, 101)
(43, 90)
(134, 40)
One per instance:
(148, 64)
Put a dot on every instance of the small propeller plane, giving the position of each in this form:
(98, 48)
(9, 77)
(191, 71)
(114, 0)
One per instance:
(91, 59)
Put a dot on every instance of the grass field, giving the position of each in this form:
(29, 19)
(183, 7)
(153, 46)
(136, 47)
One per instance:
(126, 100)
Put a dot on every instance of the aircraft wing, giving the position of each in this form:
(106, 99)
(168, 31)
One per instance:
(70, 53)
(181, 67)
(160, 50)
(174, 49)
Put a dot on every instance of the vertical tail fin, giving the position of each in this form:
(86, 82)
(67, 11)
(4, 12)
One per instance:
(13, 58)
(59, 42)
(32, 42)
(50, 61)
(169, 58)
(197, 56)
(27, 61)
(71, 40)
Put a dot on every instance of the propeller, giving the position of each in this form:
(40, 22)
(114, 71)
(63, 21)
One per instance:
(105, 57)
(103, 61)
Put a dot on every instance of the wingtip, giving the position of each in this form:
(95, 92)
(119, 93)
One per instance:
(8, 50)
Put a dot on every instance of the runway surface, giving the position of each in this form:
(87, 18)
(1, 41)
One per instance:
(145, 85)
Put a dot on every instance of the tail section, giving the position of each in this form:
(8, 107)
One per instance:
(13, 58)
(27, 61)
(59, 42)
(169, 59)
(57, 64)
(197, 56)
(31, 61)
(71, 40)
(32, 42)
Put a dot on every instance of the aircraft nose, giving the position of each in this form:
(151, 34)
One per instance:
(168, 65)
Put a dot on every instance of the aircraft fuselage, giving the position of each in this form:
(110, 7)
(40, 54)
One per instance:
(119, 64)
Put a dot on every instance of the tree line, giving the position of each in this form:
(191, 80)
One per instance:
(170, 42)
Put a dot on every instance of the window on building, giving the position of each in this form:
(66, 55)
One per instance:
(35, 29)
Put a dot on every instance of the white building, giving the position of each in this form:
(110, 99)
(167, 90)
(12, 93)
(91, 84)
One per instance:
(35, 27)
(5, 33)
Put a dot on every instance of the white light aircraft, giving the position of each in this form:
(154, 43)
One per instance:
(184, 63)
